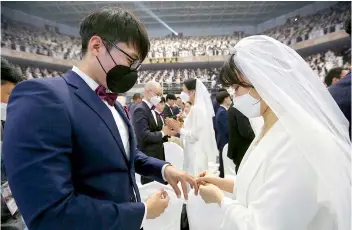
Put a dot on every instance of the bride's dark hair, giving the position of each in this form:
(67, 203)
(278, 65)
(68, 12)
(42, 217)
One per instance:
(190, 83)
(230, 75)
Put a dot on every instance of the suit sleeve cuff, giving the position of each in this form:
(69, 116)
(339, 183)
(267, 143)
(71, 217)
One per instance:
(163, 171)
(145, 215)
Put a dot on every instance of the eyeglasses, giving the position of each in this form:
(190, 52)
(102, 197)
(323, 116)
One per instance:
(157, 94)
(136, 63)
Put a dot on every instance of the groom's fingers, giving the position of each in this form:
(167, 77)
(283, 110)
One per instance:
(176, 189)
(184, 189)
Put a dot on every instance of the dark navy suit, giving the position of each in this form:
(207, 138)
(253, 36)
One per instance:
(65, 159)
(222, 127)
(341, 92)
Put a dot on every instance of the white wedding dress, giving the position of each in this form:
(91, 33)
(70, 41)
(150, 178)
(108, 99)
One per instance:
(297, 177)
(200, 149)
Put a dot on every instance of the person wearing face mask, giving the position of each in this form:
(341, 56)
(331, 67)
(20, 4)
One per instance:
(200, 149)
(70, 154)
(150, 131)
(296, 173)
(9, 78)
(222, 125)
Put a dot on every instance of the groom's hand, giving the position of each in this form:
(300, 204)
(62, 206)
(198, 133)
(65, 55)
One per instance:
(173, 175)
(156, 204)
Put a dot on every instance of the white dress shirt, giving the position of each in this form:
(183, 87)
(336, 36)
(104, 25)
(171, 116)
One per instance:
(120, 123)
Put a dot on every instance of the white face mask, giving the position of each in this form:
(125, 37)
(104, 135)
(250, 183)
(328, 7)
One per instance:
(184, 97)
(247, 105)
(155, 100)
(3, 111)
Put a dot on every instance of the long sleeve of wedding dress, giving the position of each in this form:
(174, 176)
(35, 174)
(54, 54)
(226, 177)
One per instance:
(287, 200)
(194, 125)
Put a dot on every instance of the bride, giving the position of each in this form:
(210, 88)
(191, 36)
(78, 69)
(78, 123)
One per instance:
(200, 149)
(296, 173)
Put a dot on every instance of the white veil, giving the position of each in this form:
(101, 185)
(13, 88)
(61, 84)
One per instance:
(203, 101)
(307, 111)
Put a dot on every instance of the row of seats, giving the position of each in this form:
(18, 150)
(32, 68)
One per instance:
(321, 63)
(27, 38)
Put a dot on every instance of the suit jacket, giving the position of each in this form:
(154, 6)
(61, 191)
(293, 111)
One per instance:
(216, 106)
(168, 112)
(241, 135)
(149, 137)
(341, 92)
(67, 168)
(176, 110)
(222, 126)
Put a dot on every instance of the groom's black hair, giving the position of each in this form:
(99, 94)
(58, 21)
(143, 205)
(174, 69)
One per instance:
(190, 83)
(221, 96)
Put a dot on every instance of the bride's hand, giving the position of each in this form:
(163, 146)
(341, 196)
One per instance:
(207, 178)
(211, 194)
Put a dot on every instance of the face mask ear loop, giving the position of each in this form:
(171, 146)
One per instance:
(251, 96)
(109, 53)
(101, 65)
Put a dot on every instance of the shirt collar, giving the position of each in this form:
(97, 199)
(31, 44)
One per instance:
(148, 103)
(223, 106)
(157, 111)
(90, 82)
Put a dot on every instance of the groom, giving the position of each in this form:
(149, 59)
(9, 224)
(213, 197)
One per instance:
(69, 149)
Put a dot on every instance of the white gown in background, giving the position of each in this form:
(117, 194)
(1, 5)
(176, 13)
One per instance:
(200, 149)
(277, 189)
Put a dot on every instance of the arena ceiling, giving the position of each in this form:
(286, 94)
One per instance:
(171, 12)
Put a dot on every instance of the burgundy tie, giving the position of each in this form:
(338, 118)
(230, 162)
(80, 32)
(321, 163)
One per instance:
(110, 98)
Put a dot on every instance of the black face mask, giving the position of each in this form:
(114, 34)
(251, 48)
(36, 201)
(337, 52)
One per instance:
(120, 78)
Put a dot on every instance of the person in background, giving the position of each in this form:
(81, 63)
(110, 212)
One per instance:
(241, 135)
(216, 106)
(335, 75)
(187, 108)
(150, 132)
(137, 98)
(222, 125)
(9, 78)
(177, 108)
(168, 111)
(159, 109)
(341, 91)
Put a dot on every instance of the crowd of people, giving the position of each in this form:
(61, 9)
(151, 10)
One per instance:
(312, 26)
(321, 63)
(27, 38)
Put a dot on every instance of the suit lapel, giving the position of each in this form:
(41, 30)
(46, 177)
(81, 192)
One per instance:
(88, 96)
(150, 114)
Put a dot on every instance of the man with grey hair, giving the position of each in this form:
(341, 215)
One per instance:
(149, 133)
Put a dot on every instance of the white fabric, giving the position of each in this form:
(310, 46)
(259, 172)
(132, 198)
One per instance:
(3, 111)
(202, 216)
(298, 177)
(257, 124)
(171, 218)
(200, 147)
(173, 154)
(229, 166)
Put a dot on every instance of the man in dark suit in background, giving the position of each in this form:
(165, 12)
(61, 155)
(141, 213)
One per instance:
(177, 106)
(341, 91)
(150, 132)
(137, 98)
(216, 106)
(168, 110)
(9, 78)
(159, 109)
(222, 125)
(241, 136)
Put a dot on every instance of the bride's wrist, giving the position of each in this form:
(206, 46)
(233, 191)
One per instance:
(220, 197)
